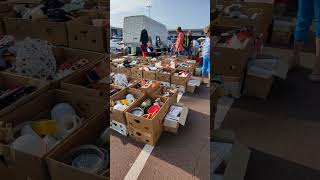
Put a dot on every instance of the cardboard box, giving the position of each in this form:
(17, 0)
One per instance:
(238, 154)
(143, 136)
(192, 84)
(198, 71)
(163, 77)
(177, 80)
(172, 125)
(120, 116)
(136, 72)
(124, 70)
(78, 82)
(63, 55)
(153, 127)
(228, 61)
(173, 98)
(119, 127)
(232, 86)
(53, 32)
(82, 34)
(8, 81)
(39, 108)
(150, 89)
(88, 134)
(150, 75)
(258, 86)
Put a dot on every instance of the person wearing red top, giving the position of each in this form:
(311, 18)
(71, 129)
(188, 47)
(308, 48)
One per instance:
(179, 42)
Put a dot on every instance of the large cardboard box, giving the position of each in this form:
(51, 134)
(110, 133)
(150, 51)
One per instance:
(229, 61)
(88, 134)
(63, 55)
(172, 125)
(78, 83)
(164, 76)
(151, 88)
(136, 72)
(258, 86)
(10, 81)
(173, 94)
(120, 116)
(39, 108)
(149, 75)
(82, 34)
(53, 32)
(177, 80)
(153, 128)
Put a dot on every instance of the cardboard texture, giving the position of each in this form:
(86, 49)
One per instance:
(240, 155)
(143, 129)
(176, 80)
(171, 125)
(258, 86)
(54, 32)
(228, 61)
(82, 34)
(120, 116)
(151, 88)
(124, 70)
(232, 86)
(88, 134)
(77, 82)
(172, 99)
(8, 81)
(150, 75)
(39, 108)
(163, 77)
(136, 72)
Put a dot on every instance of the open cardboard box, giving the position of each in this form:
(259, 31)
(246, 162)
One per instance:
(151, 88)
(63, 54)
(78, 82)
(177, 80)
(120, 116)
(238, 157)
(173, 98)
(229, 61)
(171, 125)
(88, 134)
(144, 129)
(82, 34)
(10, 81)
(34, 110)
(53, 32)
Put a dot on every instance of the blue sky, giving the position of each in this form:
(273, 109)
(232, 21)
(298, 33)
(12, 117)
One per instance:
(172, 13)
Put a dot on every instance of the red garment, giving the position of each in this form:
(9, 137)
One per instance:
(179, 42)
(144, 50)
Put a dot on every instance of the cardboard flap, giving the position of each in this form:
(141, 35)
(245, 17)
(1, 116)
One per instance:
(183, 116)
(268, 67)
(238, 163)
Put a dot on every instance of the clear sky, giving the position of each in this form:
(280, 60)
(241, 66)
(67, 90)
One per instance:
(173, 13)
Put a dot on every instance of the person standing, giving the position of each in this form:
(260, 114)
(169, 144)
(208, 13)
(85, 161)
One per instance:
(144, 39)
(187, 43)
(195, 48)
(179, 43)
(307, 11)
(206, 55)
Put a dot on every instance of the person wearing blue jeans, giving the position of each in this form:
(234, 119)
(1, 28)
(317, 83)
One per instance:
(206, 54)
(308, 10)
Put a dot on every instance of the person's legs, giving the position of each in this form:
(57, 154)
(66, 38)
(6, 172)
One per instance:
(205, 67)
(315, 75)
(304, 20)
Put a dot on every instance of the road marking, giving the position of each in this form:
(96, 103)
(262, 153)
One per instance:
(223, 108)
(138, 165)
(141, 160)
